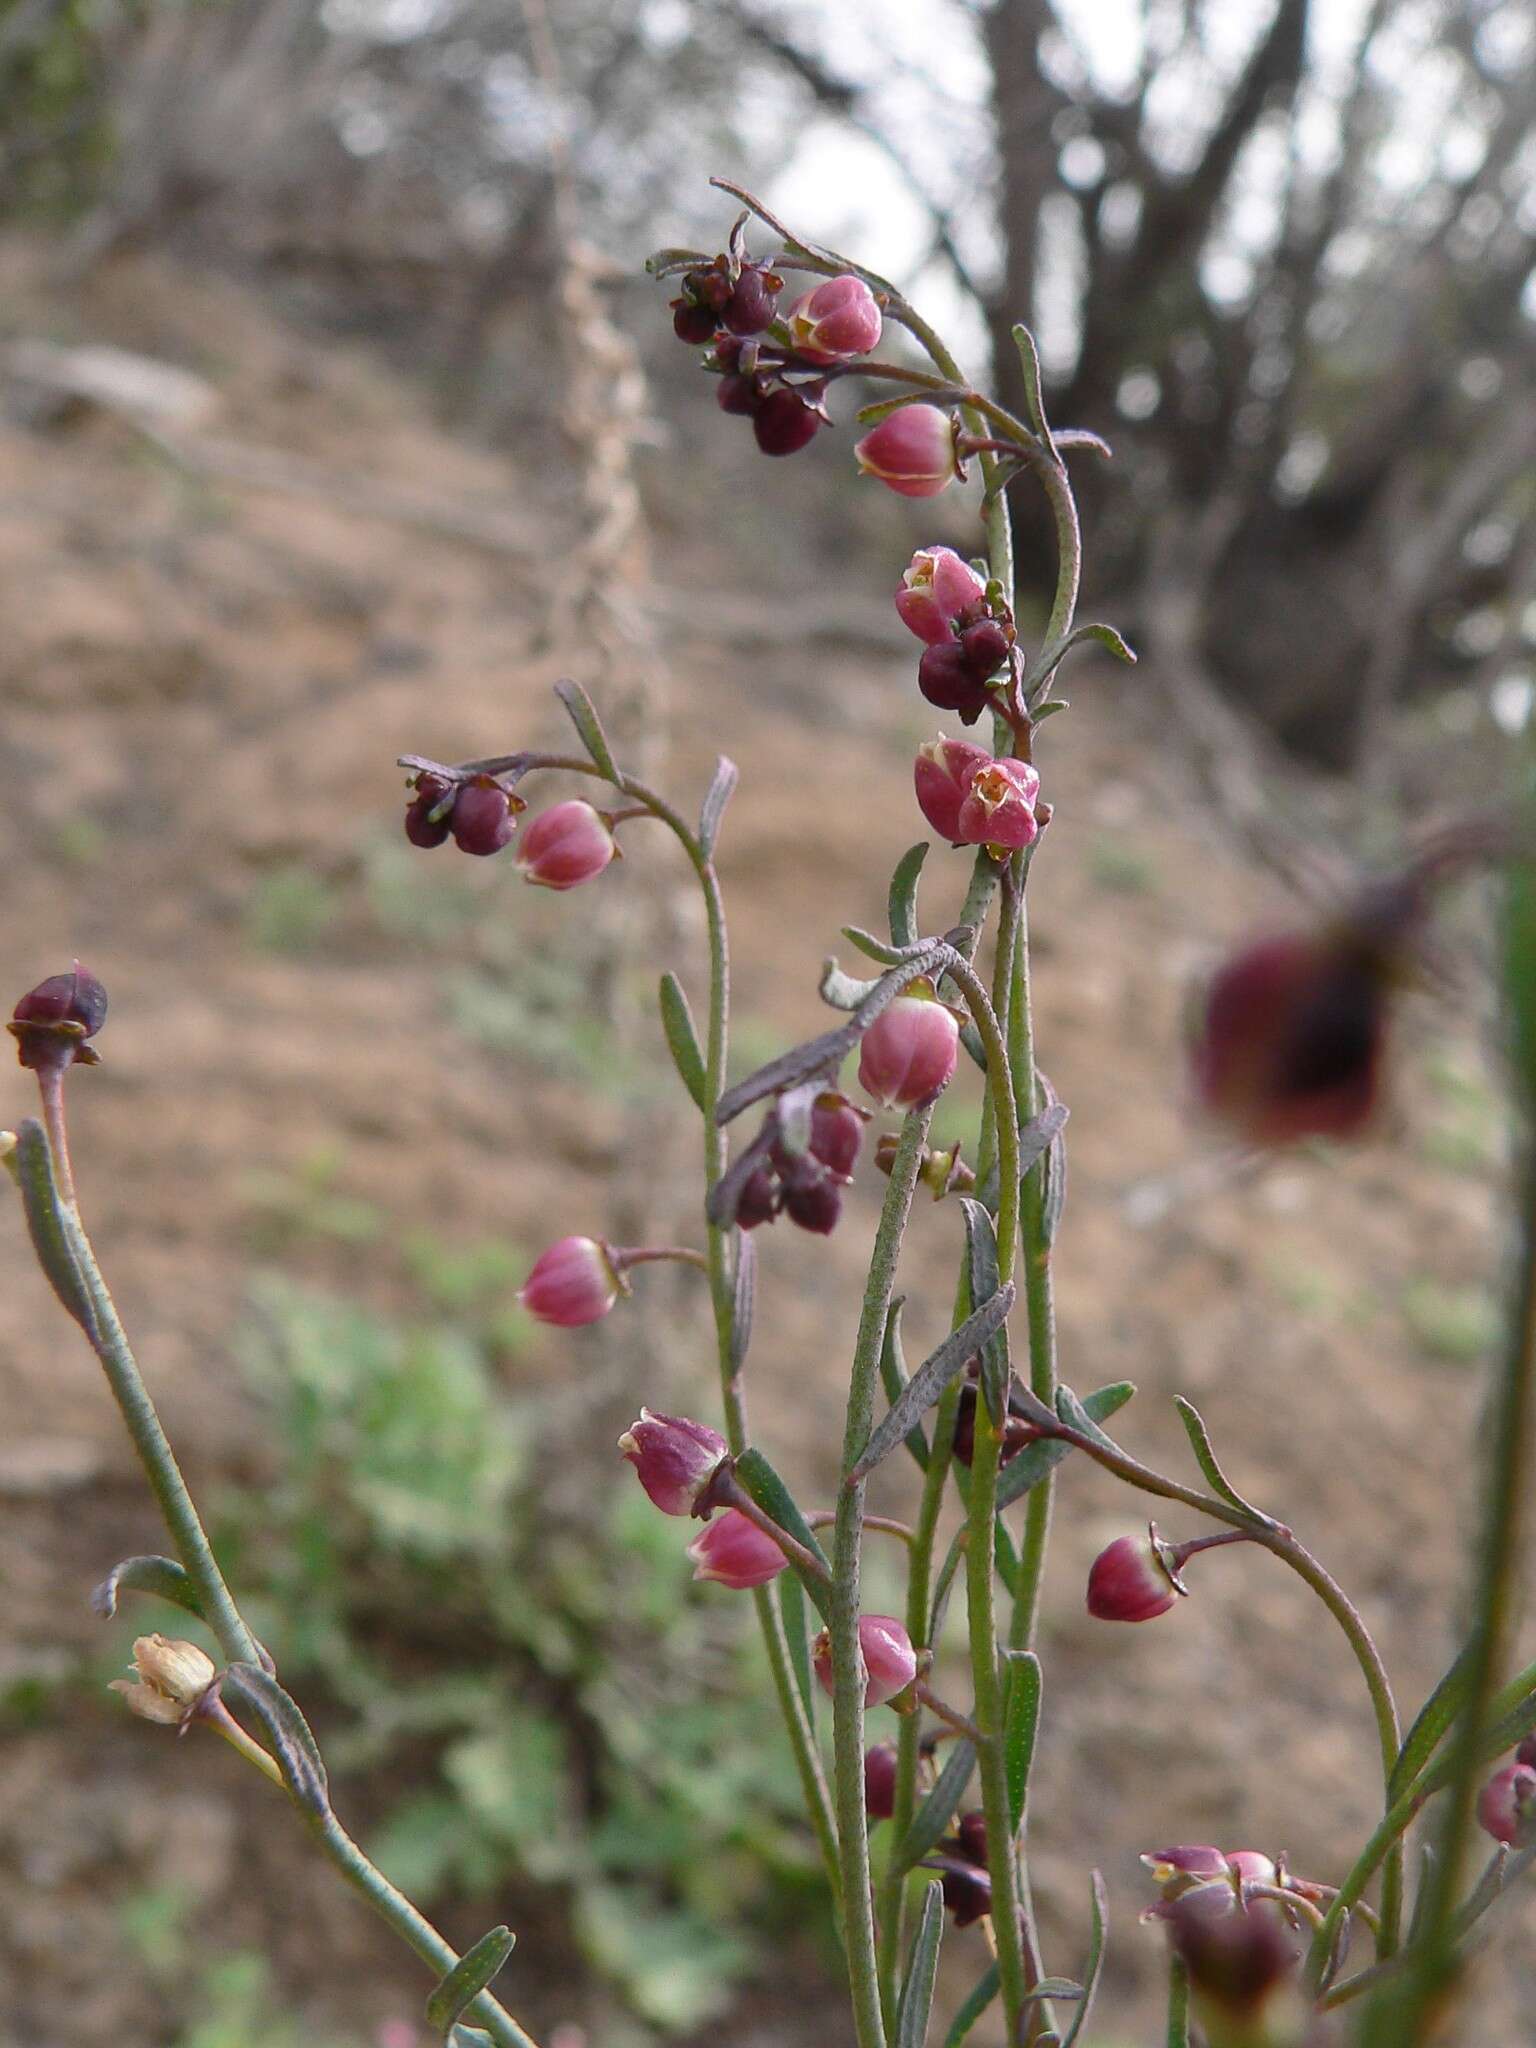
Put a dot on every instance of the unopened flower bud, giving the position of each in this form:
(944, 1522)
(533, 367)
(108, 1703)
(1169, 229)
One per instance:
(908, 1054)
(784, 423)
(573, 1283)
(565, 846)
(693, 323)
(1252, 1866)
(812, 1198)
(483, 817)
(53, 1022)
(837, 1132)
(738, 395)
(880, 1780)
(1177, 1870)
(1241, 1968)
(170, 1679)
(1506, 1806)
(936, 587)
(985, 646)
(890, 1662)
(949, 682)
(733, 1551)
(971, 1834)
(675, 1457)
(835, 321)
(967, 1888)
(759, 1199)
(423, 826)
(1130, 1581)
(754, 301)
(911, 451)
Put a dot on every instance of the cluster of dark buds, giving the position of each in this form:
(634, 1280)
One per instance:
(961, 1861)
(802, 1164)
(561, 848)
(1506, 1806)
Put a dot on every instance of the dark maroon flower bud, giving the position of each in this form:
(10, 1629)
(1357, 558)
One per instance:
(693, 323)
(52, 1022)
(985, 647)
(971, 1833)
(812, 1198)
(421, 827)
(967, 1890)
(880, 1780)
(752, 305)
(759, 1202)
(837, 1132)
(1240, 1966)
(948, 681)
(710, 287)
(737, 394)
(1526, 1753)
(482, 817)
(1016, 1431)
(784, 423)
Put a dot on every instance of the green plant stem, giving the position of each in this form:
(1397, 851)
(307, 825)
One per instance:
(848, 1676)
(1403, 2014)
(1176, 2034)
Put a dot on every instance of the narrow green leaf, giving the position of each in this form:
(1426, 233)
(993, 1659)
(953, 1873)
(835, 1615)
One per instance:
(468, 1978)
(792, 1609)
(841, 991)
(871, 947)
(1106, 636)
(1055, 1196)
(161, 1577)
(917, 1992)
(48, 1226)
(1205, 1458)
(938, 1809)
(776, 1500)
(1064, 1988)
(981, 1264)
(1039, 1134)
(893, 1374)
(882, 408)
(743, 1300)
(1036, 1460)
(589, 729)
(903, 898)
(981, 1996)
(1021, 1722)
(683, 1039)
(1005, 1558)
(1430, 1724)
(286, 1730)
(665, 261)
(718, 795)
(1034, 395)
(1076, 1416)
(942, 1365)
(1095, 1961)
(943, 1585)
(469, 2037)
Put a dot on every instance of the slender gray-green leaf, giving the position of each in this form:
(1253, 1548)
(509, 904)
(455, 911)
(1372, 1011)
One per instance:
(1205, 1457)
(683, 1039)
(1055, 1197)
(1429, 1725)
(287, 1732)
(1021, 1722)
(903, 898)
(934, 1375)
(743, 1300)
(161, 1577)
(589, 728)
(1064, 1988)
(943, 1585)
(938, 1809)
(1040, 1133)
(970, 1038)
(1034, 397)
(1422, 1894)
(469, 2037)
(792, 1609)
(841, 991)
(46, 1225)
(893, 1374)
(981, 1996)
(922, 1966)
(1106, 636)
(1005, 1557)
(775, 1499)
(1036, 1460)
(882, 408)
(1076, 1416)
(716, 797)
(1095, 1961)
(667, 261)
(981, 1265)
(873, 948)
(468, 1978)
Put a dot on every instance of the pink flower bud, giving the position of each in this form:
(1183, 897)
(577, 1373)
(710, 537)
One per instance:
(1130, 1582)
(1252, 1866)
(675, 1457)
(52, 1022)
(908, 1053)
(890, 1662)
(880, 1780)
(574, 1282)
(1507, 1803)
(836, 321)
(734, 1552)
(482, 817)
(1177, 1870)
(942, 776)
(936, 587)
(999, 808)
(566, 846)
(783, 423)
(1291, 1041)
(912, 451)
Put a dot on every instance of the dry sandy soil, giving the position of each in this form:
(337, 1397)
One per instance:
(204, 685)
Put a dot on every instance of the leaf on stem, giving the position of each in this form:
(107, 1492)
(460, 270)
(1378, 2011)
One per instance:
(48, 1225)
(903, 896)
(925, 394)
(1205, 1458)
(1034, 395)
(1040, 1133)
(589, 729)
(743, 1300)
(873, 948)
(981, 1996)
(287, 1732)
(1430, 1724)
(792, 1609)
(1021, 1722)
(981, 1266)
(666, 262)
(944, 1584)
(160, 1577)
(1055, 1198)
(683, 1038)
(1076, 1416)
(841, 991)
(917, 1992)
(716, 797)
(925, 1386)
(468, 1978)
(1036, 1460)
(778, 1503)
(893, 1374)
(1095, 1960)
(937, 1810)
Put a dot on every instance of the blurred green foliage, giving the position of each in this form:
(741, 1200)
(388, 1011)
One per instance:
(515, 1648)
(231, 1995)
